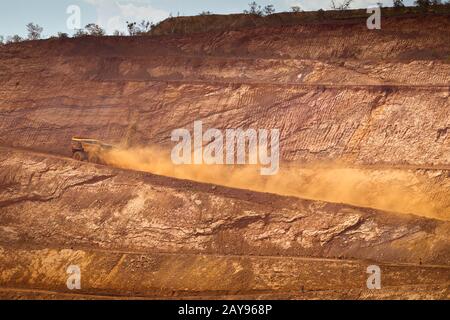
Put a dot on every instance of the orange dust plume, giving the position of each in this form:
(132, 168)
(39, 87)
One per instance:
(390, 189)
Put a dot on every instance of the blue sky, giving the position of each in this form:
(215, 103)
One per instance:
(112, 14)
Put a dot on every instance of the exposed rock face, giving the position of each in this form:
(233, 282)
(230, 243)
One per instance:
(87, 205)
(359, 125)
(124, 88)
(337, 91)
(215, 23)
(115, 274)
(122, 215)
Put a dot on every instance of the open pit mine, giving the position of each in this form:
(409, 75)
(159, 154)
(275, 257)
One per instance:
(363, 178)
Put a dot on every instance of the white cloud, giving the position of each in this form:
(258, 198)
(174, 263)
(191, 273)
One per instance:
(112, 14)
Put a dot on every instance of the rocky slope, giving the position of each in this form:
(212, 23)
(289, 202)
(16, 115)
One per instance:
(143, 235)
(328, 104)
(364, 118)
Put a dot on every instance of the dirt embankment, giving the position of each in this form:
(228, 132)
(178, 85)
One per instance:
(422, 191)
(135, 234)
(384, 105)
(375, 101)
(216, 22)
(336, 92)
(139, 275)
(82, 205)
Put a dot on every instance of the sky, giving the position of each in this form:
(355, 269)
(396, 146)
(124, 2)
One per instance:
(60, 16)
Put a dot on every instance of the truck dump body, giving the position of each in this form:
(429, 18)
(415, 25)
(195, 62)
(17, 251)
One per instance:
(91, 150)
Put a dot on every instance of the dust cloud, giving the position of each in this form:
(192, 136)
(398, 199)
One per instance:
(396, 190)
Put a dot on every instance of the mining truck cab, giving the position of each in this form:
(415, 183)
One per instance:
(84, 149)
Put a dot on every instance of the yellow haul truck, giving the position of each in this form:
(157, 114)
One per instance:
(90, 150)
